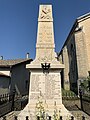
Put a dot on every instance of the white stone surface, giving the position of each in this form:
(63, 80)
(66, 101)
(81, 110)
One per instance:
(45, 87)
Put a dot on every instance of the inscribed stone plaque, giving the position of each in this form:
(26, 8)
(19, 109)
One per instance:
(48, 84)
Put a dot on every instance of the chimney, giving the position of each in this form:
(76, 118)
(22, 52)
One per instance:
(1, 57)
(27, 56)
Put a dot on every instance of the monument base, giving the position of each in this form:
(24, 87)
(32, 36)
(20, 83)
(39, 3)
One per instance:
(45, 97)
(53, 111)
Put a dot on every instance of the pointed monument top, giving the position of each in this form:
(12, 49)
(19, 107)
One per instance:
(45, 13)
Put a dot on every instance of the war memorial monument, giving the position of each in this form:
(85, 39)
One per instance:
(45, 98)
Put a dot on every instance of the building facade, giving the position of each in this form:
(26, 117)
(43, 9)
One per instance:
(75, 54)
(14, 75)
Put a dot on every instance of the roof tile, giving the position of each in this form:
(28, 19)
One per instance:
(8, 63)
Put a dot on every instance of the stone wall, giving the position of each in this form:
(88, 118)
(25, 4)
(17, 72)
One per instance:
(85, 23)
(70, 62)
(76, 54)
(66, 70)
(81, 55)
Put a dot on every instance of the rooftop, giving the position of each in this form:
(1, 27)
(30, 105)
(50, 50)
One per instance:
(79, 19)
(8, 63)
(84, 16)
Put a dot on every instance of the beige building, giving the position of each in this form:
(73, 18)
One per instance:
(13, 74)
(75, 54)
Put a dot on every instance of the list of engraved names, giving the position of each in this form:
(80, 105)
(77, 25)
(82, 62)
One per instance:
(49, 85)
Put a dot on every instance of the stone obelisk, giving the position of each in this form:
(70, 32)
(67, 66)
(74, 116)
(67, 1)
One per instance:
(45, 79)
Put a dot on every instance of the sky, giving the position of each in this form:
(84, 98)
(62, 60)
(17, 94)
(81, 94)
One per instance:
(19, 22)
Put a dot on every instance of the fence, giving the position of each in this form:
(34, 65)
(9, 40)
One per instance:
(4, 98)
(10, 102)
(68, 95)
(73, 101)
(86, 103)
(48, 118)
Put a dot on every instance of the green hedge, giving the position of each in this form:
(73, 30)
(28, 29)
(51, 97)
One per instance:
(68, 94)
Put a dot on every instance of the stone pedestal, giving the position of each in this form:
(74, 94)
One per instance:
(45, 91)
(45, 96)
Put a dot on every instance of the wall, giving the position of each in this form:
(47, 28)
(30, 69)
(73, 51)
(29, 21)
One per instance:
(70, 62)
(81, 55)
(66, 70)
(5, 71)
(19, 79)
(82, 39)
(85, 23)
(76, 55)
(4, 84)
(73, 76)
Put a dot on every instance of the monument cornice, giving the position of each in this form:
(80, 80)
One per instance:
(45, 45)
(52, 66)
(49, 20)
